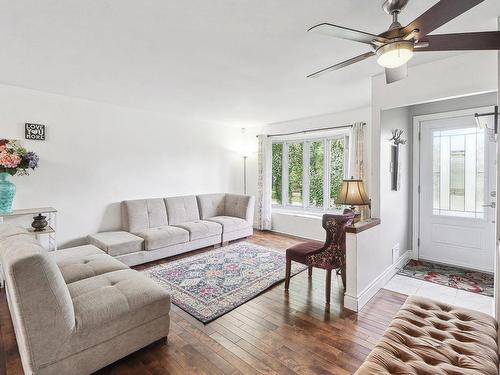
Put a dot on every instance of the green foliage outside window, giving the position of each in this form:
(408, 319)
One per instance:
(316, 173)
(317, 154)
(295, 173)
(337, 168)
(277, 173)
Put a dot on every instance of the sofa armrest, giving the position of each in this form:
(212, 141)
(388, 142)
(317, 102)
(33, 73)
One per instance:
(250, 210)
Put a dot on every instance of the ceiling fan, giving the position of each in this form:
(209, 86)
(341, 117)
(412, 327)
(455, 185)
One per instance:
(395, 47)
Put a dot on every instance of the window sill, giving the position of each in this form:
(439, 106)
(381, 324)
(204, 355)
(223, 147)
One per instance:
(303, 213)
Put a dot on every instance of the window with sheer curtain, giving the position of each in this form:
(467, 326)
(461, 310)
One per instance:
(307, 173)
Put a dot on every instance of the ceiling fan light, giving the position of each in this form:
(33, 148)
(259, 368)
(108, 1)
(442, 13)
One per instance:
(395, 54)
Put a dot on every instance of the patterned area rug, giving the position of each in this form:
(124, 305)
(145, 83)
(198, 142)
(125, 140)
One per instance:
(458, 278)
(211, 284)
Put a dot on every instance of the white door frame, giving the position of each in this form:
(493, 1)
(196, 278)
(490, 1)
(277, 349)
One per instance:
(417, 120)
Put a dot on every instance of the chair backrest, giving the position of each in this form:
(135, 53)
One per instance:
(39, 300)
(335, 227)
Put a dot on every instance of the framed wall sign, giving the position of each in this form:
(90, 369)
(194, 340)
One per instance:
(34, 132)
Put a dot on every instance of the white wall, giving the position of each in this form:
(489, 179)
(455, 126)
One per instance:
(395, 206)
(456, 104)
(308, 226)
(97, 155)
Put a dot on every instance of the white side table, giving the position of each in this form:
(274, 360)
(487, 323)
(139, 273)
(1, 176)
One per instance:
(50, 230)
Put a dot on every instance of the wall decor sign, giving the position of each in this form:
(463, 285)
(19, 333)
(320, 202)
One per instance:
(34, 132)
(397, 140)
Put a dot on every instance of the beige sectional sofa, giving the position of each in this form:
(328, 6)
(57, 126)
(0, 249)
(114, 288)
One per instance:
(162, 227)
(77, 310)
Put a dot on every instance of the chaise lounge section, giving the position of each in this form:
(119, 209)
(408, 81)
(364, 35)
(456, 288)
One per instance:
(77, 310)
(163, 227)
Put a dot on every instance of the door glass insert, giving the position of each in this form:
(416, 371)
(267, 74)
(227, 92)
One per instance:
(458, 172)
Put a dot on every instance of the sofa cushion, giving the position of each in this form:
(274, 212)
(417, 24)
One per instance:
(75, 267)
(77, 251)
(211, 205)
(141, 214)
(117, 242)
(230, 223)
(182, 209)
(8, 230)
(156, 238)
(238, 205)
(103, 299)
(201, 229)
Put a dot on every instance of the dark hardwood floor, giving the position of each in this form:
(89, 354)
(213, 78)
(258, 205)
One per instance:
(274, 333)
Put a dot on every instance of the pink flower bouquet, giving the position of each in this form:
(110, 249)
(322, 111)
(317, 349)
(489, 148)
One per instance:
(15, 159)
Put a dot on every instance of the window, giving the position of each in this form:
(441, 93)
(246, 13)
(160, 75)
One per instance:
(295, 173)
(316, 173)
(337, 170)
(277, 173)
(308, 173)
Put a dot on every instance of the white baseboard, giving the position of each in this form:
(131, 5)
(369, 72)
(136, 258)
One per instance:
(356, 303)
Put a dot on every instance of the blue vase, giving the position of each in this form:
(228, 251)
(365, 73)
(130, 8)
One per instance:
(7, 192)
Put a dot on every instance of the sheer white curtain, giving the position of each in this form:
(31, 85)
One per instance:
(357, 158)
(263, 213)
(357, 144)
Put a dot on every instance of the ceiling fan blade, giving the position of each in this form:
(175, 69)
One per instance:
(342, 64)
(345, 33)
(436, 16)
(486, 40)
(396, 74)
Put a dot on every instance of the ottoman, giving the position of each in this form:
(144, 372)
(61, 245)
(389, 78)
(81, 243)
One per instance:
(117, 243)
(430, 337)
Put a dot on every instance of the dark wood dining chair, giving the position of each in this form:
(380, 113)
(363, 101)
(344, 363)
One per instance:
(329, 255)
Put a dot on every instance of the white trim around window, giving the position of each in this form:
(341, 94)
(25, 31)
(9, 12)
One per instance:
(306, 141)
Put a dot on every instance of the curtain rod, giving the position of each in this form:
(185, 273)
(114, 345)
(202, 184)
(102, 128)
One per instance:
(312, 130)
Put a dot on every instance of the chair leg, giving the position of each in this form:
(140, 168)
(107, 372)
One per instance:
(310, 271)
(328, 285)
(288, 271)
(343, 275)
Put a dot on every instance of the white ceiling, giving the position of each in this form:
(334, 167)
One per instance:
(236, 62)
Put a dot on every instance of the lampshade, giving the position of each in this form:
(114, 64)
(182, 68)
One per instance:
(393, 55)
(353, 193)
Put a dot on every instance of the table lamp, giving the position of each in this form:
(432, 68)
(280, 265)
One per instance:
(352, 193)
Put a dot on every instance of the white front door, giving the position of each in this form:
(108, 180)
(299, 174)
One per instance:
(457, 193)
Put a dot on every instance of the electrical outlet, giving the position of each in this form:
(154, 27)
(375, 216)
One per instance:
(395, 253)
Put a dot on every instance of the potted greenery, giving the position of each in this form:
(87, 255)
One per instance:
(14, 160)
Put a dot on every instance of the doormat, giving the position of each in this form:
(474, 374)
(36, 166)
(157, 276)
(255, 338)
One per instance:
(454, 277)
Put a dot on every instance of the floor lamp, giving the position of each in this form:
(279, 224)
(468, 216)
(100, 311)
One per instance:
(245, 174)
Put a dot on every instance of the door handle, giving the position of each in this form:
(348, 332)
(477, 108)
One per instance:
(491, 205)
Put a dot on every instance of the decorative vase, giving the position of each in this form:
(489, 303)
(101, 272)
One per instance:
(7, 192)
(39, 223)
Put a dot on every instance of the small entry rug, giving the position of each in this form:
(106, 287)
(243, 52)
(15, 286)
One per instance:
(211, 284)
(454, 277)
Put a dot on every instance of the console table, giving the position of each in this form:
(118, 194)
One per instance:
(50, 230)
